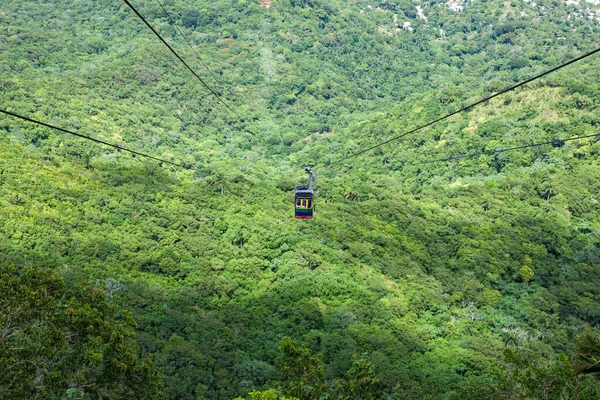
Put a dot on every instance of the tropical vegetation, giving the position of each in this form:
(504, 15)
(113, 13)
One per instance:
(474, 277)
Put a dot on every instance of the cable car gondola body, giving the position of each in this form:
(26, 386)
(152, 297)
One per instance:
(304, 197)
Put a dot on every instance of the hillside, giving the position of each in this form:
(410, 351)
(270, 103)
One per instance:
(471, 277)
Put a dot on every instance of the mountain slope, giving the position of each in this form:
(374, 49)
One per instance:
(431, 270)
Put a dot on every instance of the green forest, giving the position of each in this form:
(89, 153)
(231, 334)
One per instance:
(467, 278)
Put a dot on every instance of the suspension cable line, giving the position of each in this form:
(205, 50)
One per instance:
(187, 41)
(555, 143)
(118, 147)
(470, 106)
(181, 59)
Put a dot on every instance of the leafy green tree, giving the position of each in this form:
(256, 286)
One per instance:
(303, 374)
(527, 375)
(270, 394)
(526, 273)
(57, 342)
(359, 383)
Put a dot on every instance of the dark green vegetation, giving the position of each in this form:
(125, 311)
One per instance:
(448, 280)
(57, 341)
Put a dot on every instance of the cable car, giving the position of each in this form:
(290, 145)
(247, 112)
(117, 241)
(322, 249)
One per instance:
(304, 197)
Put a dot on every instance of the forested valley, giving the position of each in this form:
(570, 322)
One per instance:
(423, 274)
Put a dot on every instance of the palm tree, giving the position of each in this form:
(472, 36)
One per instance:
(219, 179)
(587, 359)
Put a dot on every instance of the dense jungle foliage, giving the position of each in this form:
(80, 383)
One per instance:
(473, 278)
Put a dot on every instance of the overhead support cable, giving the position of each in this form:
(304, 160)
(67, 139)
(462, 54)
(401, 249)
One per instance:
(187, 41)
(470, 106)
(555, 143)
(181, 59)
(115, 146)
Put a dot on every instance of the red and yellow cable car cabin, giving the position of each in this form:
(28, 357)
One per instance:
(304, 201)
(304, 197)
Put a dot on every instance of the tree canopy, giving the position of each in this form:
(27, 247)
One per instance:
(466, 277)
